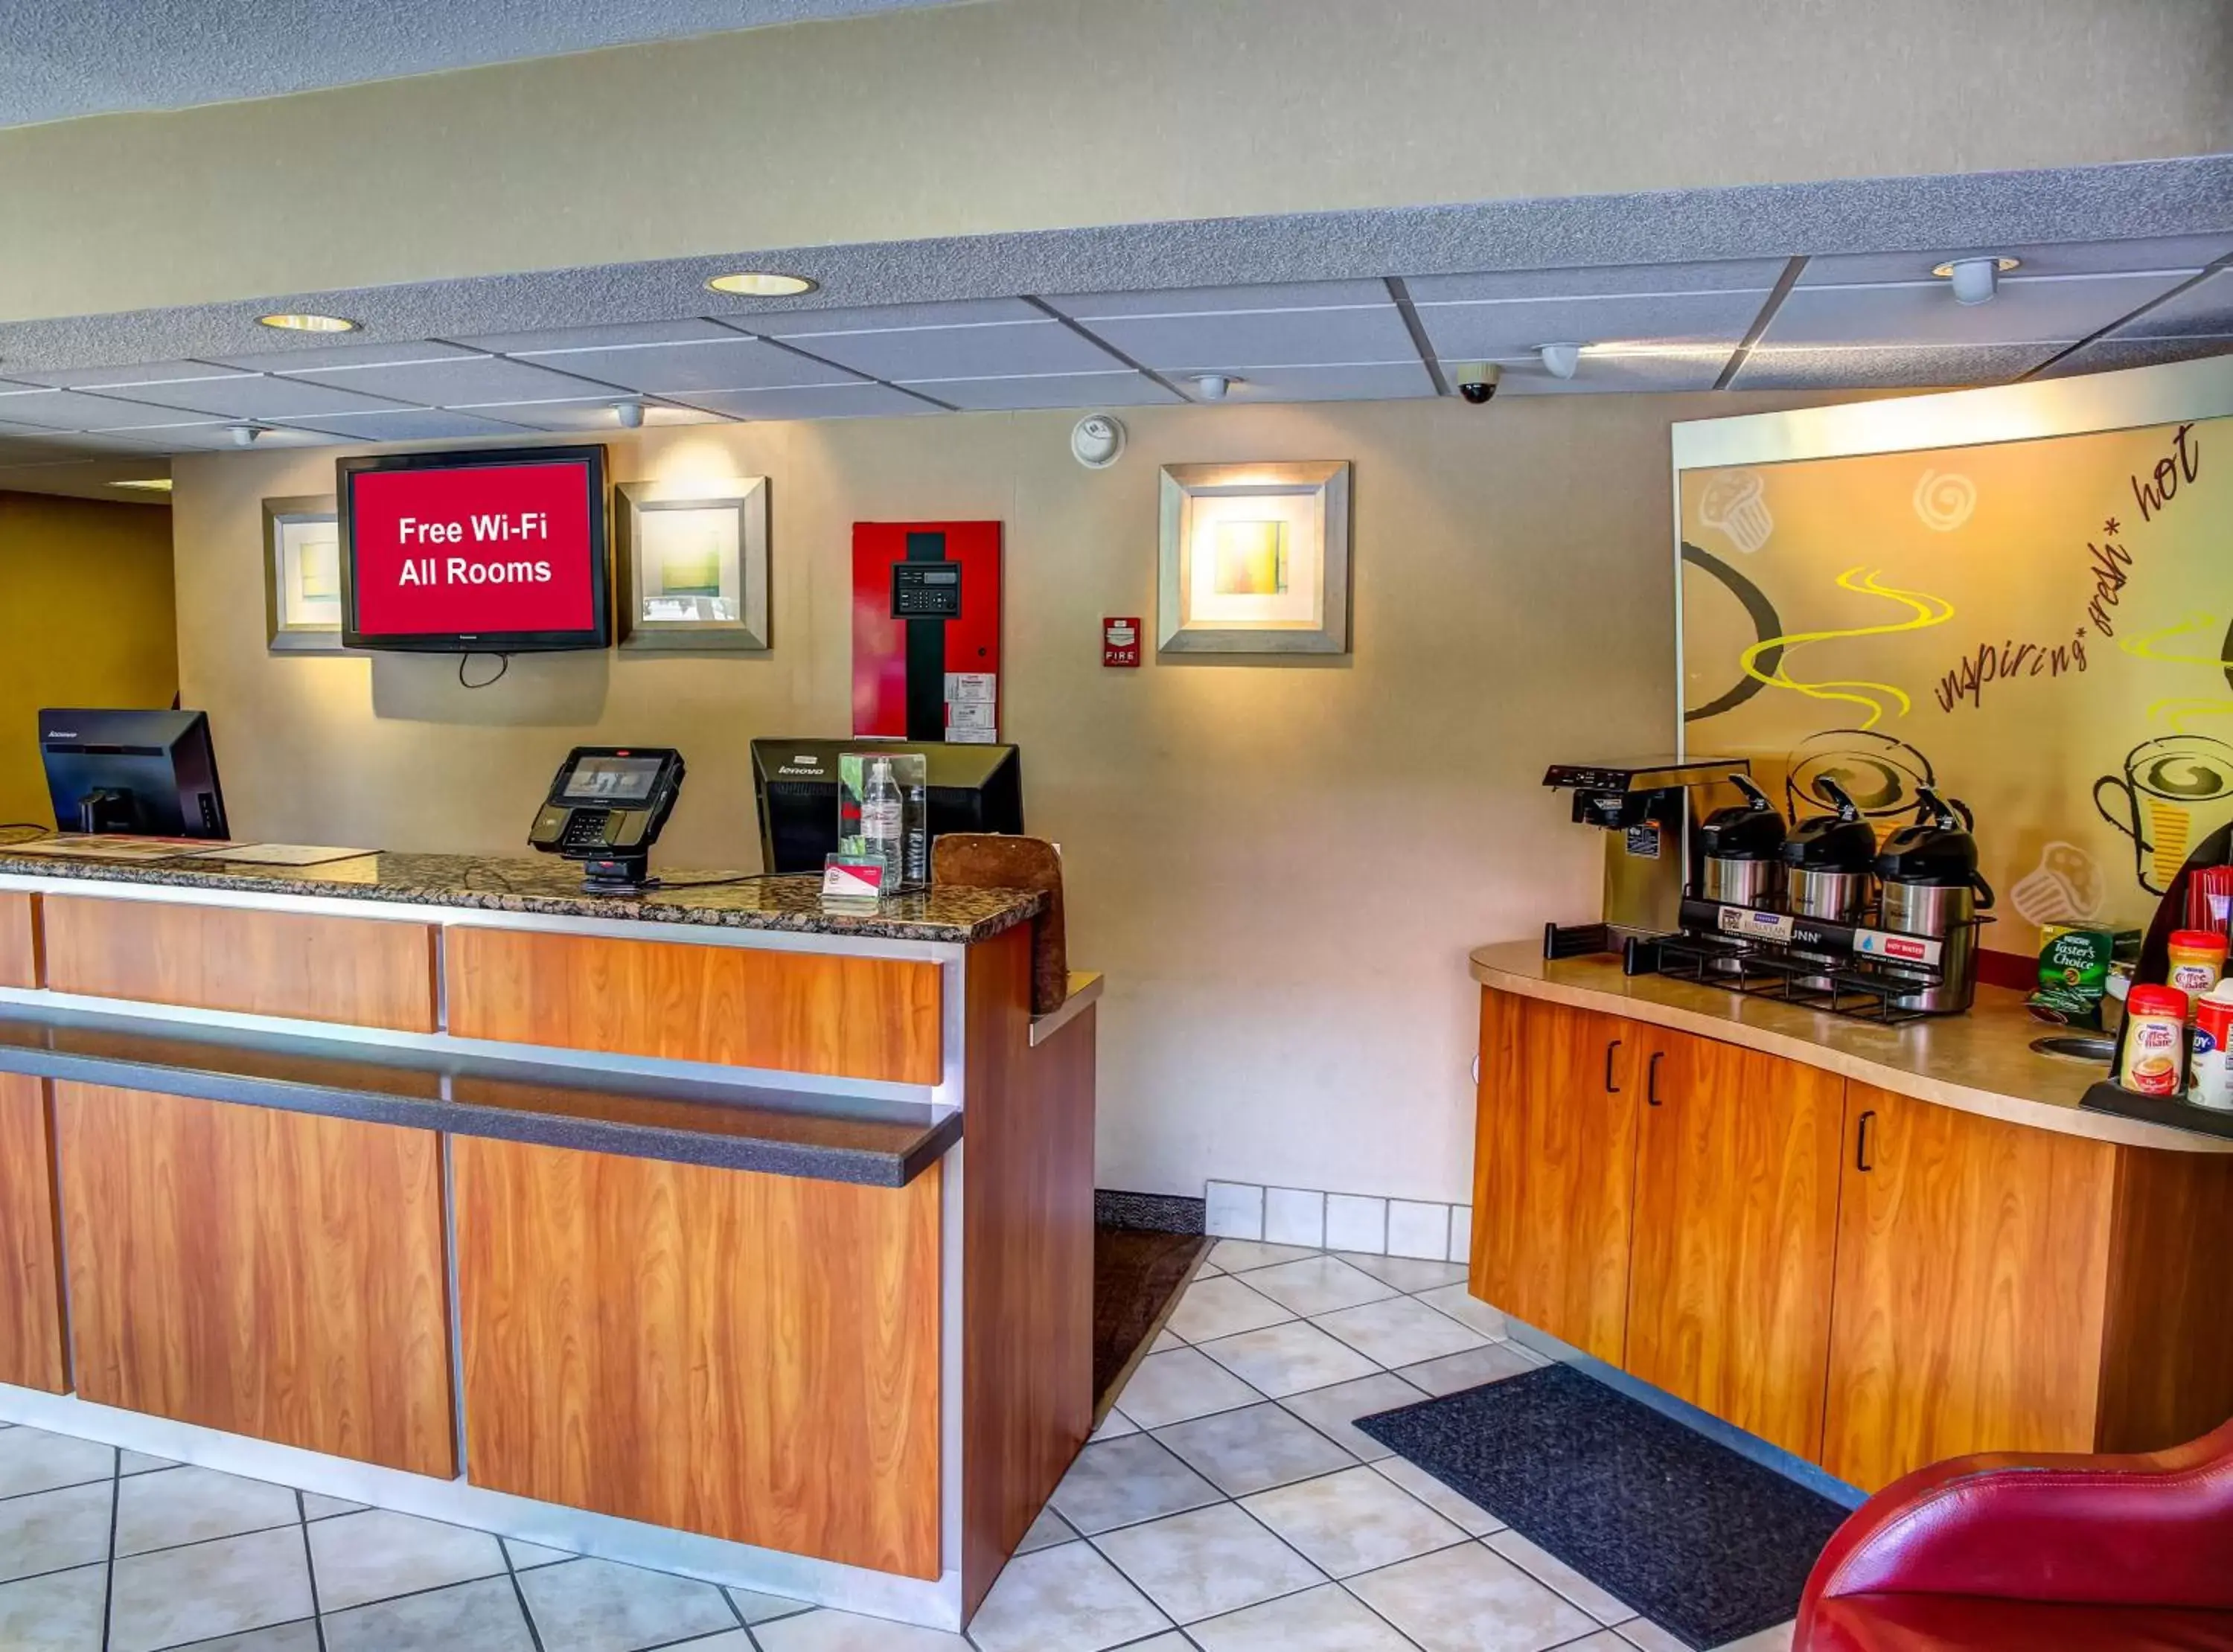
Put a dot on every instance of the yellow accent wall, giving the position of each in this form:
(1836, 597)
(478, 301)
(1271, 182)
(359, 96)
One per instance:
(87, 618)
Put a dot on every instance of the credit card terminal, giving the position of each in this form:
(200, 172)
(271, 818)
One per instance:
(605, 810)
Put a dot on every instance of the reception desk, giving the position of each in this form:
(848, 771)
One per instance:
(712, 1231)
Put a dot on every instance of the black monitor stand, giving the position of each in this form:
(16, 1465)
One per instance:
(106, 810)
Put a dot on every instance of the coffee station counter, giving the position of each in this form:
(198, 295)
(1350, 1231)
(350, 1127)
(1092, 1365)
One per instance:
(1981, 1062)
(1871, 1247)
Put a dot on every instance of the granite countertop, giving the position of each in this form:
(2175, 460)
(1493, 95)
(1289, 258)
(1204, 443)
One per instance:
(1981, 1063)
(732, 1127)
(550, 886)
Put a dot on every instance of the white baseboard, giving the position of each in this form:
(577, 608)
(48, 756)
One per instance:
(1323, 1220)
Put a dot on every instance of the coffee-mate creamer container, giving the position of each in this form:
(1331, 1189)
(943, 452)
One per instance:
(2155, 1041)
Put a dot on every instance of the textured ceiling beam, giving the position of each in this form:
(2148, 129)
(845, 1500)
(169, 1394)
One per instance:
(2166, 198)
(1022, 116)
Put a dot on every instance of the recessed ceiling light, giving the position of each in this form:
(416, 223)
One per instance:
(149, 484)
(1945, 271)
(306, 322)
(761, 283)
(1975, 280)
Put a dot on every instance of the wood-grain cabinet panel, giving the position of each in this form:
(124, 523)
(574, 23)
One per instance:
(1971, 1289)
(19, 939)
(361, 971)
(1736, 1224)
(750, 1356)
(30, 1275)
(1554, 1169)
(845, 1015)
(274, 1274)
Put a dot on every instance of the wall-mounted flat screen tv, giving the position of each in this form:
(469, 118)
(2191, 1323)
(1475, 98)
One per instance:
(499, 551)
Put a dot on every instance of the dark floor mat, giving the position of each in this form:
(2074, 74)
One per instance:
(1137, 1276)
(1706, 1543)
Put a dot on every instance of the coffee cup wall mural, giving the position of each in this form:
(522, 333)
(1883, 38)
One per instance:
(2041, 625)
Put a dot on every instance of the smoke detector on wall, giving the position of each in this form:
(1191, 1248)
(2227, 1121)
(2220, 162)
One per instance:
(1098, 441)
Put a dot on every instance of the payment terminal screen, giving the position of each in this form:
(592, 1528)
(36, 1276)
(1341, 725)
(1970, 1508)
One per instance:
(612, 780)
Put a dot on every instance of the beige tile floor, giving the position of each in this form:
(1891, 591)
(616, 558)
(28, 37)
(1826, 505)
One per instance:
(1226, 1506)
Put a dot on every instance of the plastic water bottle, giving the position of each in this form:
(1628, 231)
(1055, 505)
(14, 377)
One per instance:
(883, 823)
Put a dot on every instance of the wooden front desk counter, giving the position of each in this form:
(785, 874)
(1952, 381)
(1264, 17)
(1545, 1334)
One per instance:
(712, 1233)
(1872, 1246)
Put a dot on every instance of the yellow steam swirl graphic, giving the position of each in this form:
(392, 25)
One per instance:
(1923, 612)
(2176, 710)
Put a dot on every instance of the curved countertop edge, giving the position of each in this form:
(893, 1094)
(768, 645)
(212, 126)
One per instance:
(2001, 1078)
(790, 903)
(1085, 992)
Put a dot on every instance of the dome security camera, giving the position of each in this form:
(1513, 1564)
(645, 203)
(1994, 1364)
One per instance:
(1477, 380)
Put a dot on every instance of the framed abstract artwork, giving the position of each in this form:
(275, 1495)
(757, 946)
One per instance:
(302, 574)
(1253, 559)
(693, 564)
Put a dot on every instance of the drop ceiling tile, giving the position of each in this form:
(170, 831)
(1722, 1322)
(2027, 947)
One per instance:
(180, 439)
(998, 349)
(2188, 252)
(1262, 338)
(1941, 367)
(2203, 311)
(1124, 389)
(464, 381)
(1196, 301)
(883, 318)
(732, 362)
(601, 338)
(249, 395)
(1514, 327)
(860, 400)
(593, 415)
(121, 377)
(78, 410)
(2056, 309)
(1647, 372)
(308, 358)
(2105, 355)
(412, 424)
(1726, 274)
(103, 442)
(1383, 382)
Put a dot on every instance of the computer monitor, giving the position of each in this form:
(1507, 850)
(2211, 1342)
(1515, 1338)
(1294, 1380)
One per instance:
(149, 773)
(973, 788)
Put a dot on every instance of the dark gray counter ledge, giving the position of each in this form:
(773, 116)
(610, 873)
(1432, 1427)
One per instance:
(730, 1127)
(552, 888)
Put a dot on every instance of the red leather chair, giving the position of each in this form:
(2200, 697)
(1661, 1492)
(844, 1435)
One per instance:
(2045, 1554)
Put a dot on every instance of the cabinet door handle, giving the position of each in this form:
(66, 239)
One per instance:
(1861, 1161)
(1651, 1079)
(1611, 1089)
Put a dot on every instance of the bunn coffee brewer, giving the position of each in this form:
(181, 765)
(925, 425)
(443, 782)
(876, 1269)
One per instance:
(1648, 812)
(606, 806)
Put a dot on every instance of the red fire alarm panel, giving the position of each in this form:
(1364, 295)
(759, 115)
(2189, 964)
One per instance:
(926, 631)
(1120, 641)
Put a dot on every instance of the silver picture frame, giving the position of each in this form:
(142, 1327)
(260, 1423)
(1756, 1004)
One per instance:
(302, 594)
(717, 530)
(1306, 503)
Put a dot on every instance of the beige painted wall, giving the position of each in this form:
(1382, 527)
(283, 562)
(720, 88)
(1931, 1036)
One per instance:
(1280, 868)
(1066, 112)
(86, 619)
